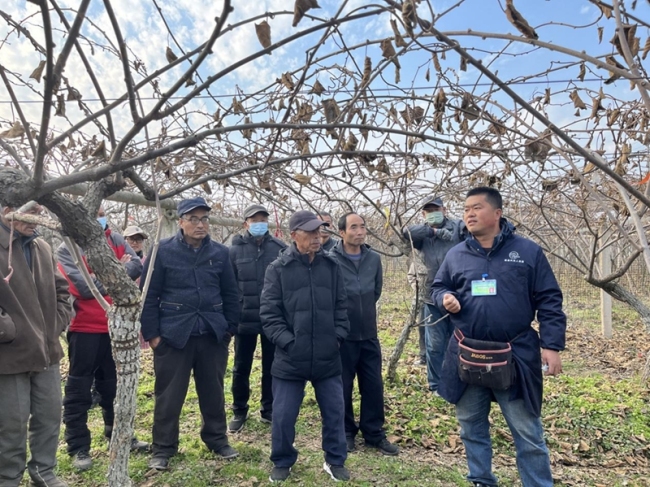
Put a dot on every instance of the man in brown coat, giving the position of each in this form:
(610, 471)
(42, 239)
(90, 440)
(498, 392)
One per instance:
(34, 310)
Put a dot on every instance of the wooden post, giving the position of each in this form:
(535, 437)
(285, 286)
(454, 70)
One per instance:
(606, 299)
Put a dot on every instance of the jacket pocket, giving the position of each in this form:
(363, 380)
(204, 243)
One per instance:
(167, 306)
(7, 328)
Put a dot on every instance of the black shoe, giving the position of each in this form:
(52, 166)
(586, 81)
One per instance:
(137, 445)
(266, 418)
(280, 474)
(479, 484)
(81, 460)
(159, 463)
(48, 482)
(338, 472)
(237, 422)
(385, 446)
(349, 441)
(423, 360)
(227, 452)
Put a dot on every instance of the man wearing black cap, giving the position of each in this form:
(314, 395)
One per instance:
(433, 240)
(190, 312)
(303, 312)
(251, 254)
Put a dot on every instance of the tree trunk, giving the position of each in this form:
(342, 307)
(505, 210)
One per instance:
(124, 325)
(411, 322)
(625, 296)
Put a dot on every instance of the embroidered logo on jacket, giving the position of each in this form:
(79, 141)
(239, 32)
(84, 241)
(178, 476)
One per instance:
(514, 257)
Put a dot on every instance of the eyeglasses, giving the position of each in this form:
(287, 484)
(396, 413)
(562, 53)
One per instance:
(135, 239)
(194, 220)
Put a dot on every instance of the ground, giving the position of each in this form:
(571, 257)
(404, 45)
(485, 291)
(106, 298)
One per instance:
(596, 416)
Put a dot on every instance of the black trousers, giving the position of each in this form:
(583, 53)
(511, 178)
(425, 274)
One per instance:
(244, 353)
(363, 360)
(91, 359)
(207, 358)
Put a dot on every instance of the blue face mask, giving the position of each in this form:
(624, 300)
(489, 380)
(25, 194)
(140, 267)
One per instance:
(102, 221)
(258, 229)
(435, 217)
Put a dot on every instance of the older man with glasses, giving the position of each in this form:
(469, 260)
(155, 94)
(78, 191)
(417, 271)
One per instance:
(191, 312)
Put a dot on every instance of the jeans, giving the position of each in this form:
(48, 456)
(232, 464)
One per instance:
(287, 398)
(437, 339)
(533, 461)
(244, 353)
(362, 359)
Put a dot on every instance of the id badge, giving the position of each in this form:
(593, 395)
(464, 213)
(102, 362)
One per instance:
(484, 287)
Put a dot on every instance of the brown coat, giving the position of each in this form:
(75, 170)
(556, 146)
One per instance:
(35, 308)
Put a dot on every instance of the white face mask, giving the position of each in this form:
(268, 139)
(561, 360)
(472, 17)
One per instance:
(435, 217)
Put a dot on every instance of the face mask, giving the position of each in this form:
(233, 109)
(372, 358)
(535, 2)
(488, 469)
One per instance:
(102, 221)
(258, 229)
(435, 217)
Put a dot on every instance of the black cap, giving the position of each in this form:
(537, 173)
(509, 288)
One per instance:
(305, 220)
(435, 201)
(254, 210)
(188, 205)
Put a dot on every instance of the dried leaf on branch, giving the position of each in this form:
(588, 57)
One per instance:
(463, 63)
(577, 101)
(263, 32)
(286, 81)
(611, 60)
(237, 107)
(331, 110)
(169, 54)
(60, 105)
(399, 40)
(436, 62)
(612, 116)
(190, 82)
(537, 150)
(409, 15)
(468, 107)
(646, 48)
(73, 94)
(519, 21)
(629, 32)
(317, 89)
(605, 10)
(388, 51)
(100, 151)
(597, 105)
(206, 187)
(601, 29)
(440, 101)
(38, 72)
(350, 145)
(302, 179)
(15, 131)
(547, 96)
(247, 133)
(300, 8)
(583, 72)
(367, 70)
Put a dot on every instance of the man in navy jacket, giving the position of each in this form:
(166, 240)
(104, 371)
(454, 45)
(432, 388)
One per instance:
(190, 313)
(522, 286)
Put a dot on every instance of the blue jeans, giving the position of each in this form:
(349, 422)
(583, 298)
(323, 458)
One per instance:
(437, 339)
(287, 398)
(533, 460)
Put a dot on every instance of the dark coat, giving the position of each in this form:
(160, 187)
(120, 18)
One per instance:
(35, 306)
(187, 286)
(329, 245)
(303, 311)
(363, 287)
(525, 285)
(250, 261)
(433, 245)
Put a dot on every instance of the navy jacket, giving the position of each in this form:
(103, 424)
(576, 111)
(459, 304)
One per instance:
(433, 245)
(250, 262)
(526, 286)
(303, 311)
(186, 286)
(363, 287)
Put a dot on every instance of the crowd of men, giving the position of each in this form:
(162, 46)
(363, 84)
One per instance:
(312, 303)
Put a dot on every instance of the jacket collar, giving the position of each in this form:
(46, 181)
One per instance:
(291, 253)
(338, 247)
(507, 232)
(5, 232)
(180, 237)
(248, 238)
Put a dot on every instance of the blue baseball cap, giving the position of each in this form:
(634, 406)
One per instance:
(185, 206)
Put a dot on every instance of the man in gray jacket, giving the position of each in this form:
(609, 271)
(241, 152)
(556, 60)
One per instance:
(361, 351)
(433, 240)
(35, 308)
